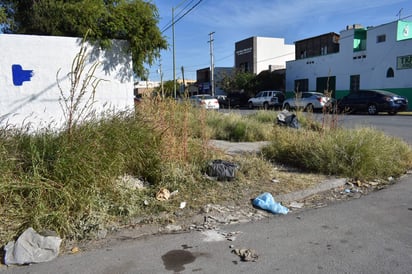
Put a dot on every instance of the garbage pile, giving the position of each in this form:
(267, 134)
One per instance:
(31, 247)
(287, 119)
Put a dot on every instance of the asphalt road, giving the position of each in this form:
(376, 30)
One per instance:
(372, 234)
(395, 125)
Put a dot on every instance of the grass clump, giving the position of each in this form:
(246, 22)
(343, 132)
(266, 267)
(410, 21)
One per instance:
(238, 128)
(69, 182)
(356, 153)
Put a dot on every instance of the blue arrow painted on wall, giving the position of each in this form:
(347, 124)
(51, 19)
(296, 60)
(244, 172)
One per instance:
(20, 75)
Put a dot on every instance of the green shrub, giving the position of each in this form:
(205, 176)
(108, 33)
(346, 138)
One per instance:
(238, 128)
(357, 153)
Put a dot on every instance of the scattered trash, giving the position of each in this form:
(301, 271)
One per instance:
(163, 194)
(173, 193)
(275, 181)
(230, 236)
(182, 205)
(173, 228)
(130, 182)
(75, 250)
(285, 118)
(267, 202)
(31, 247)
(358, 183)
(222, 170)
(246, 255)
(213, 236)
(296, 205)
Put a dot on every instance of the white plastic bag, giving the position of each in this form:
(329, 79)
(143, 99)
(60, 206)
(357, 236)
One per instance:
(32, 247)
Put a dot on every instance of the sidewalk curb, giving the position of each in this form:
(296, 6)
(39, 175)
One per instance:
(233, 148)
(302, 194)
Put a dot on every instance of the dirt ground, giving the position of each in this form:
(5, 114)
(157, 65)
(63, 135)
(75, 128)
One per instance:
(236, 210)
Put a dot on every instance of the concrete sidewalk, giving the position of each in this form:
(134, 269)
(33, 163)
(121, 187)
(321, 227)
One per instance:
(235, 148)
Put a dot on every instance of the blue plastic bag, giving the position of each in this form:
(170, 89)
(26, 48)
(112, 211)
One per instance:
(267, 202)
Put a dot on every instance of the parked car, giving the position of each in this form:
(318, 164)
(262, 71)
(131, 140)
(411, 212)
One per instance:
(309, 101)
(373, 102)
(234, 100)
(206, 101)
(267, 99)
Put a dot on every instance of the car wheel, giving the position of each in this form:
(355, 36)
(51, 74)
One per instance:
(372, 110)
(250, 105)
(286, 106)
(309, 108)
(265, 105)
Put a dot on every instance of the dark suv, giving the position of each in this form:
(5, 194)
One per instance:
(373, 102)
(234, 100)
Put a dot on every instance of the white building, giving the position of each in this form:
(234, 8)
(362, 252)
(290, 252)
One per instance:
(367, 58)
(256, 54)
(35, 74)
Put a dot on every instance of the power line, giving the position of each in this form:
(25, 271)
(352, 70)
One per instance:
(181, 17)
(170, 21)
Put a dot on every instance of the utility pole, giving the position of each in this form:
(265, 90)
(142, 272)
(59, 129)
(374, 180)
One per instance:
(161, 79)
(212, 65)
(183, 76)
(174, 58)
(173, 41)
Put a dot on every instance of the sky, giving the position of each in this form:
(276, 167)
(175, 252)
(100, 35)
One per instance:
(231, 21)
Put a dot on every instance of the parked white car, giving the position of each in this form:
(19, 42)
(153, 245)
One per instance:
(308, 101)
(206, 101)
(266, 99)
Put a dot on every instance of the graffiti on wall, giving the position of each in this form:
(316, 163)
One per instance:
(20, 75)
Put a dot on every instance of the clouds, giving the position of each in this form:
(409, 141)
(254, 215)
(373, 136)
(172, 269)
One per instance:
(235, 20)
(263, 14)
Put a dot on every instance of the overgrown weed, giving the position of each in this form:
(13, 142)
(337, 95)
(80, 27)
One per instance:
(345, 152)
(69, 182)
(238, 128)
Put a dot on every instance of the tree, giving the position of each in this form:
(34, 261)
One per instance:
(132, 20)
(168, 88)
(239, 81)
(270, 80)
(3, 17)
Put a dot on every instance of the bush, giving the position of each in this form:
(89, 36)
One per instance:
(359, 153)
(237, 128)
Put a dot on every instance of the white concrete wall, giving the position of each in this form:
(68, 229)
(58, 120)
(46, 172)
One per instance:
(35, 101)
(272, 52)
(372, 66)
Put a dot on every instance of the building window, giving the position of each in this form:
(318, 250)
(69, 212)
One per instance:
(359, 40)
(354, 82)
(326, 84)
(390, 73)
(381, 38)
(324, 50)
(244, 67)
(301, 85)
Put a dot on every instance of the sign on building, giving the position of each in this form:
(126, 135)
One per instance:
(404, 30)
